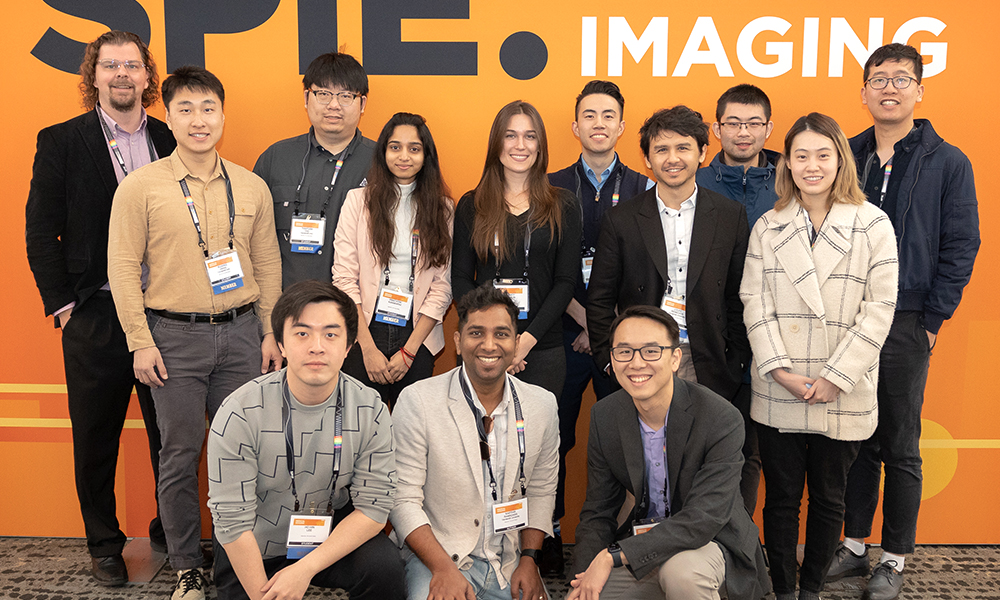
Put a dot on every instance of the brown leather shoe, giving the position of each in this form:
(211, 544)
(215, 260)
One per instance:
(109, 571)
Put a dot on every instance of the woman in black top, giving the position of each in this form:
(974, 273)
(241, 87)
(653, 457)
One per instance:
(516, 229)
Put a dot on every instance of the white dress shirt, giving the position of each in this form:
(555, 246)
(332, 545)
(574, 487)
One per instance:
(677, 226)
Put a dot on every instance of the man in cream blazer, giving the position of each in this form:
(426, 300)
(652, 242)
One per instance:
(473, 525)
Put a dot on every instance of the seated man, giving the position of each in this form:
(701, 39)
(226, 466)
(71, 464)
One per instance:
(676, 447)
(474, 530)
(292, 453)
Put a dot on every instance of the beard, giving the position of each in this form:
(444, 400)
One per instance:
(125, 104)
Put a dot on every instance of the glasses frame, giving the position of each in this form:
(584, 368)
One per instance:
(113, 64)
(338, 95)
(736, 126)
(894, 80)
(639, 350)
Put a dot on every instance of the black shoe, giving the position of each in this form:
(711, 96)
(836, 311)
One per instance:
(551, 562)
(109, 570)
(847, 564)
(207, 557)
(885, 582)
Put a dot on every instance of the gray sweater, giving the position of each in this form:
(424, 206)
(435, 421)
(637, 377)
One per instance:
(249, 483)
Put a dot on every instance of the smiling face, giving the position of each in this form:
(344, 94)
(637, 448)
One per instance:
(890, 106)
(120, 89)
(598, 123)
(487, 344)
(741, 146)
(520, 145)
(813, 162)
(404, 154)
(332, 121)
(647, 382)
(196, 119)
(674, 159)
(315, 345)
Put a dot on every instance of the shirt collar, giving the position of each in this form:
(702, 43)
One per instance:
(315, 145)
(181, 171)
(114, 126)
(647, 430)
(475, 397)
(604, 176)
(687, 205)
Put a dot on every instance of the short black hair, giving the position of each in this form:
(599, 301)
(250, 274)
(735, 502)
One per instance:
(598, 86)
(192, 77)
(481, 298)
(679, 119)
(311, 291)
(336, 69)
(643, 311)
(743, 93)
(896, 52)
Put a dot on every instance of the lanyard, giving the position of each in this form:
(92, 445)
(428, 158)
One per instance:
(336, 173)
(519, 418)
(338, 441)
(666, 475)
(527, 247)
(414, 241)
(113, 143)
(579, 194)
(885, 181)
(194, 213)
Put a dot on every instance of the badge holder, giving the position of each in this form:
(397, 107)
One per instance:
(306, 531)
(643, 525)
(510, 516)
(676, 307)
(393, 307)
(224, 271)
(517, 289)
(586, 266)
(307, 233)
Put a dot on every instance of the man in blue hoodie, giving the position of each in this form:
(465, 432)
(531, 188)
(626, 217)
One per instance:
(925, 186)
(743, 171)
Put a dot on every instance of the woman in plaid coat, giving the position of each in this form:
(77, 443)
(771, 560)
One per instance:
(819, 292)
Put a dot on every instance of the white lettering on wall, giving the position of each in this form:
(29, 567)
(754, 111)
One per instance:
(620, 35)
(783, 50)
(704, 31)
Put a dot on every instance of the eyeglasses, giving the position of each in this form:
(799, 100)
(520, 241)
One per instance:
(324, 97)
(484, 448)
(900, 83)
(112, 64)
(734, 126)
(624, 354)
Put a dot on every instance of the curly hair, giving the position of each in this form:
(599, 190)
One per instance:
(88, 67)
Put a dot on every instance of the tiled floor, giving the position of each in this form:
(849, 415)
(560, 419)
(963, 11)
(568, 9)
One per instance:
(58, 569)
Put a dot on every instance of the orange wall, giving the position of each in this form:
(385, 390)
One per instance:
(259, 69)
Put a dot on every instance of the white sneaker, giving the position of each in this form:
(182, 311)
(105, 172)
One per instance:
(190, 585)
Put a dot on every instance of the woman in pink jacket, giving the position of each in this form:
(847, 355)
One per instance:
(392, 255)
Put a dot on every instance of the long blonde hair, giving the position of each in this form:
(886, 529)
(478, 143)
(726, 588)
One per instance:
(845, 189)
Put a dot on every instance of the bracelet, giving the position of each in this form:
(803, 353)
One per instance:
(406, 355)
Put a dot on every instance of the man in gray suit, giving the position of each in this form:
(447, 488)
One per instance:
(675, 446)
(474, 530)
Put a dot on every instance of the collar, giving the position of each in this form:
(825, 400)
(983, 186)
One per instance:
(688, 204)
(504, 402)
(589, 171)
(315, 145)
(647, 430)
(113, 125)
(181, 171)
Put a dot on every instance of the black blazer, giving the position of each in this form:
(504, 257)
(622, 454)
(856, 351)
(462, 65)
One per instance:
(630, 267)
(704, 459)
(69, 206)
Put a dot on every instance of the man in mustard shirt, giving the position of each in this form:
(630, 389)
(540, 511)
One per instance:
(204, 227)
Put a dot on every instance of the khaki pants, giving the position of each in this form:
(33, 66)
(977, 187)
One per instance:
(690, 575)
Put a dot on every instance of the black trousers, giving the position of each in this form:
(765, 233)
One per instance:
(99, 382)
(374, 571)
(389, 339)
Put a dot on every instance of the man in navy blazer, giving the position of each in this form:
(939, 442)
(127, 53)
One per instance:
(675, 446)
(78, 166)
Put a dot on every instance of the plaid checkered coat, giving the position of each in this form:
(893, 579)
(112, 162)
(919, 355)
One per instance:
(823, 311)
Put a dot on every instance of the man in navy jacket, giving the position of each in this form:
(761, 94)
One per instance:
(926, 187)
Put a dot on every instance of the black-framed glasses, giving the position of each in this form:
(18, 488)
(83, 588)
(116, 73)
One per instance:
(324, 97)
(900, 83)
(484, 448)
(113, 64)
(650, 353)
(751, 126)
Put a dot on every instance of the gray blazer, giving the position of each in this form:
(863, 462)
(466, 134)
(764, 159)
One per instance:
(704, 459)
(441, 473)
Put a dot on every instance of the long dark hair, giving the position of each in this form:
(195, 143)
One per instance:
(432, 208)
(491, 207)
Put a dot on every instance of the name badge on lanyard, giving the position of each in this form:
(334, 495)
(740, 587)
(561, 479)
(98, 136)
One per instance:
(510, 516)
(394, 306)
(306, 532)
(307, 233)
(645, 525)
(515, 287)
(586, 266)
(676, 307)
(224, 271)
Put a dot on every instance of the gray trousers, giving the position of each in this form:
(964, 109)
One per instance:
(205, 363)
(697, 574)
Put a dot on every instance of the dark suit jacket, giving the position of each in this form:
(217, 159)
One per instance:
(704, 459)
(630, 267)
(69, 206)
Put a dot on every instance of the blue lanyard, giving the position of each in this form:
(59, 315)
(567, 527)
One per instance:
(519, 423)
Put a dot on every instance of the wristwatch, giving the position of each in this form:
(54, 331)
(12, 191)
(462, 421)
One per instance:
(533, 554)
(616, 554)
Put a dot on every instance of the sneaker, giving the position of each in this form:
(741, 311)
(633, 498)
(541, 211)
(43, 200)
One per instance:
(190, 585)
(885, 582)
(848, 564)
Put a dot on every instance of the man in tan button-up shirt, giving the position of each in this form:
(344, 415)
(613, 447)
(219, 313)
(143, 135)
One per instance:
(194, 343)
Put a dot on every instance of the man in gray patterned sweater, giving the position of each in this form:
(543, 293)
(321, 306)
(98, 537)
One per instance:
(295, 453)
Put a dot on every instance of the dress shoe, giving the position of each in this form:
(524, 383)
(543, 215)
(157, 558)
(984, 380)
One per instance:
(109, 570)
(848, 564)
(885, 582)
(551, 562)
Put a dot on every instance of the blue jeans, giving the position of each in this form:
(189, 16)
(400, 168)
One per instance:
(902, 376)
(480, 575)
